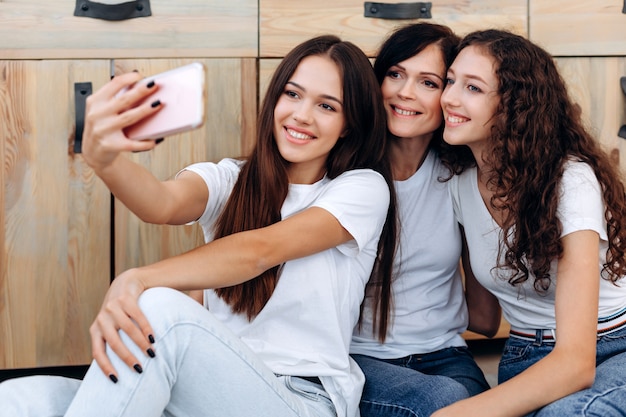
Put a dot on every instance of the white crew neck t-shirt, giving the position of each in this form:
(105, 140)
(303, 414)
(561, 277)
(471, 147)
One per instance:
(305, 327)
(581, 207)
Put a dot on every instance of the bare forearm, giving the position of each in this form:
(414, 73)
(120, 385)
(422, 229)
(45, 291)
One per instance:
(138, 189)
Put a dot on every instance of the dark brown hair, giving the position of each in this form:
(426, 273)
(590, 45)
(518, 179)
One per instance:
(262, 185)
(537, 129)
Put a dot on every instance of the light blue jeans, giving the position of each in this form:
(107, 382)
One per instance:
(607, 396)
(418, 385)
(201, 369)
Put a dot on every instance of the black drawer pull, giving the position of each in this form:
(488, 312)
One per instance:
(398, 10)
(121, 11)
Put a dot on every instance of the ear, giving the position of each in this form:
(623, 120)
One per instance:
(345, 133)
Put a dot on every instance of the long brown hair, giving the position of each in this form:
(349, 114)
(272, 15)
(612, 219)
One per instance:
(404, 43)
(537, 129)
(262, 186)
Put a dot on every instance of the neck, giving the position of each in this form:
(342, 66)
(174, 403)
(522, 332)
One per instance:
(407, 156)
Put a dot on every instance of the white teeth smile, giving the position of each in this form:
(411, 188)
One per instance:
(453, 119)
(405, 112)
(298, 135)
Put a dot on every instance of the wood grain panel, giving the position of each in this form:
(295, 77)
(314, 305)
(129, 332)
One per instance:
(594, 83)
(285, 23)
(56, 218)
(182, 28)
(228, 132)
(579, 28)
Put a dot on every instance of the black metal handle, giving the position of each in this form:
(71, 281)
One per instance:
(121, 11)
(81, 92)
(398, 10)
(622, 130)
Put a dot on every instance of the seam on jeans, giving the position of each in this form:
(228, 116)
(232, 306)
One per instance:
(389, 405)
(261, 376)
(598, 396)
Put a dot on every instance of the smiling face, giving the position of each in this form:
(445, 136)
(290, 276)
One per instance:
(411, 91)
(470, 99)
(309, 118)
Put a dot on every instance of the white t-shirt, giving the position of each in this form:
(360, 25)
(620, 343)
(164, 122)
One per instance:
(581, 207)
(429, 311)
(305, 327)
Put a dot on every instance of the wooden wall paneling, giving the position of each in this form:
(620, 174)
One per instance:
(228, 132)
(594, 83)
(182, 28)
(55, 217)
(285, 23)
(578, 28)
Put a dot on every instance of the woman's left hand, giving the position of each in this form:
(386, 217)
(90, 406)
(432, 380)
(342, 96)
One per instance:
(120, 311)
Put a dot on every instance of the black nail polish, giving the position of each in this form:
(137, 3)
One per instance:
(159, 140)
(156, 103)
(135, 70)
(150, 84)
(151, 353)
(113, 378)
(150, 337)
(138, 368)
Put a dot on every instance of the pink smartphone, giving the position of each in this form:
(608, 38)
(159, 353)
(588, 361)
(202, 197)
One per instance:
(182, 92)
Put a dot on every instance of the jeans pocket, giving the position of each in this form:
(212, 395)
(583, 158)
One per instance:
(309, 391)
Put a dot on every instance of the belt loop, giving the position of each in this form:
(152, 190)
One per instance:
(538, 338)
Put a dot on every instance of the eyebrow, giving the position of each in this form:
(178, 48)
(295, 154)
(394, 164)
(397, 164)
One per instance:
(471, 77)
(326, 96)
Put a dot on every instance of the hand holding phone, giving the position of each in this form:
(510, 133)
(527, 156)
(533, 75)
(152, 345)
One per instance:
(182, 94)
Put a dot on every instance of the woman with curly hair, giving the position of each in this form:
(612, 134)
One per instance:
(544, 215)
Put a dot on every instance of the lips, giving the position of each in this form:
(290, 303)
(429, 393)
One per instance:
(404, 112)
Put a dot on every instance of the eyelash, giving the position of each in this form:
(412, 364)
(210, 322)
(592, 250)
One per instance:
(325, 106)
(472, 88)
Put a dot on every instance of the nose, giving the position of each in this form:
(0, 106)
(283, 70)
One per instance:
(302, 113)
(449, 96)
(407, 91)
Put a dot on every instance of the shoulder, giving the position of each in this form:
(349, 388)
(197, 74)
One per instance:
(579, 179)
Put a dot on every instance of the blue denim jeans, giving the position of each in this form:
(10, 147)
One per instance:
(418, 385)
(606, 397)
(201, 369)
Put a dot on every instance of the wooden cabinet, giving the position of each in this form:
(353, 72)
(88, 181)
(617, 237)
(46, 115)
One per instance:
(62, 235)
(579, 28)
(285, 23)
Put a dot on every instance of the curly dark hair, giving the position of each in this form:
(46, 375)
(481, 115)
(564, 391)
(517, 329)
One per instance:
(537, 129)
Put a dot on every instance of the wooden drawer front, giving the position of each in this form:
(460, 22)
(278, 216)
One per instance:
(181, 28)
(54, 217)
(285, 23)
(579, 28)
(594, 83)
(228, 131)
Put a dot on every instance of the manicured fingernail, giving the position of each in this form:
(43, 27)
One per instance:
(159, 140)
(150, 337)
(151, 353)
(138, 368)
(113, 378)
(156, 103)
(150, 84)
(135, 70)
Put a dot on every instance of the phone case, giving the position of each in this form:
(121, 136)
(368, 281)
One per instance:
(182, 92)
